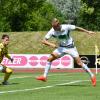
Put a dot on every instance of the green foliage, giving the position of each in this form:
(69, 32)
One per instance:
(69, 8)
(33, 15)
(89, 15)
(41, 18)
(86, 9)
(4, 25)
(35, 22)
(26, 15)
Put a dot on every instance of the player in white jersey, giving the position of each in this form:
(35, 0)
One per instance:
(65, 46)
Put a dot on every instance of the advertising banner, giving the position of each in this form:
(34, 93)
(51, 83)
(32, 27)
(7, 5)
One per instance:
(89, 60)
(37, 61)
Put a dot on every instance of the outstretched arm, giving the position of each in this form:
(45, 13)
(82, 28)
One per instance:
(84, 30)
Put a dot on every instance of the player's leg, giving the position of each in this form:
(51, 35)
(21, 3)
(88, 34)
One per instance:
(85, 67)
(56, 54)
(52, 57)
(8, 72)
(74, 53)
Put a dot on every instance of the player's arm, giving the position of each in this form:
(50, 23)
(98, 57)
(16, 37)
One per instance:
(47, 37)
(84, 30)
(46, 42)
(9, 57)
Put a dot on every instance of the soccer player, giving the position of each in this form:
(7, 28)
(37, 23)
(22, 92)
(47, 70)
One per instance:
(4, 53)
(66, 46)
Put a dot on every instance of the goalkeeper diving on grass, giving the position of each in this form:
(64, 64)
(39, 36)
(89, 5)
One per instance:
(4, 53)
(61, 32)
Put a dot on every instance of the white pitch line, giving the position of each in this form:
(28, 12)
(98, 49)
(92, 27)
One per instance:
(39, 88)
(21, 77)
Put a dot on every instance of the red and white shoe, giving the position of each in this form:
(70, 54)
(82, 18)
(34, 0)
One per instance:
(93, 80)
(42, 78)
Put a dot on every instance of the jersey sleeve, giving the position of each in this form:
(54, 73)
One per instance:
(7, 55)
(49, 34)
(1, 46)
(71, 27)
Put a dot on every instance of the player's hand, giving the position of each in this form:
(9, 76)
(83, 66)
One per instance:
(91, 32)
(11, 59)
(54, 46)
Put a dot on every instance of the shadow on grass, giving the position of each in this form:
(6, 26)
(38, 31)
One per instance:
(9, 84)
(75, 85)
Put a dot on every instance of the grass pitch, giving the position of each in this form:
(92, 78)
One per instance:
(60, 86)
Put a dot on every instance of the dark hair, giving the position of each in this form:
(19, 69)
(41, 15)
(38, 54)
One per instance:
(5, 36)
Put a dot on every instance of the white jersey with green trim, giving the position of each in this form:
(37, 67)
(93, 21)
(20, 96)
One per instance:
(63, 36)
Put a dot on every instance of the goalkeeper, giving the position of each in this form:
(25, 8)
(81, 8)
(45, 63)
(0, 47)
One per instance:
(4, 53)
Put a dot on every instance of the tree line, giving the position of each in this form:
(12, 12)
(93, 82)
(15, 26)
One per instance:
(36, 15)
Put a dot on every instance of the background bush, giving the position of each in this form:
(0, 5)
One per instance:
(36, 15)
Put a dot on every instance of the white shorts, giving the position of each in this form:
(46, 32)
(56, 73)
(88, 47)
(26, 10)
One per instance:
(61, 51)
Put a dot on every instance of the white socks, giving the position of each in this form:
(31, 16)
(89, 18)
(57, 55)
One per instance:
(85, 67)
(47, 68)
